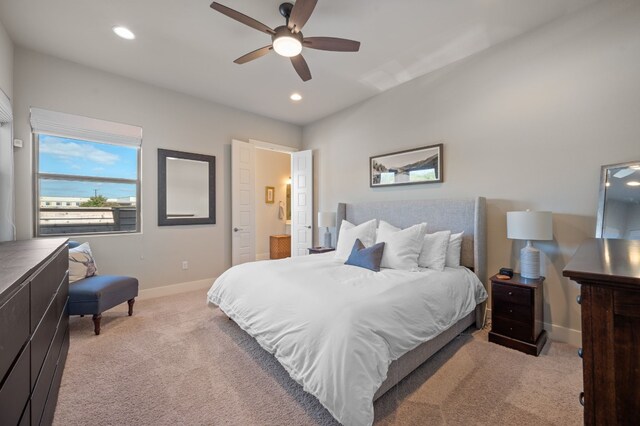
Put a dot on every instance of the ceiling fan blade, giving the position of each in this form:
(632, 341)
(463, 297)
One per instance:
(233, 14)
(331, 43)
(258, 53)
(300, 14)
(301, 67)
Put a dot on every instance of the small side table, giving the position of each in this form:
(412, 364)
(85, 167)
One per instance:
(279, 246)
(516, 314)
(316, 250)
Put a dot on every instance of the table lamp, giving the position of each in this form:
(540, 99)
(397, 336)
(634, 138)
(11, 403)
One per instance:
(529, 226)
(326, 220)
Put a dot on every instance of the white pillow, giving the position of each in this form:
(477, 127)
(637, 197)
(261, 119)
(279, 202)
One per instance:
(366, 232)
(453, 252)
(434, 250)
(402, 247)
(81, 263)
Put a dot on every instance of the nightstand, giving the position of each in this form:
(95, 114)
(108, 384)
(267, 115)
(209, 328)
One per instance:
(316, 250)
(516, 314)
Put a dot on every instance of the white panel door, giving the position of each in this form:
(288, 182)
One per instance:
(243, 213)
(301, 202)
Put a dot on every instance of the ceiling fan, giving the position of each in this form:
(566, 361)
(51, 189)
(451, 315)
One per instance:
(287, 40)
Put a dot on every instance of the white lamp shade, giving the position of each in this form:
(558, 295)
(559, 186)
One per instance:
(326, 219)
(529, 226)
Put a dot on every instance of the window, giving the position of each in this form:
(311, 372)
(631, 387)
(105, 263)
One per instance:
(84, 186)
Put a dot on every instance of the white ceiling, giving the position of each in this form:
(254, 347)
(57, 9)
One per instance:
(186, 46)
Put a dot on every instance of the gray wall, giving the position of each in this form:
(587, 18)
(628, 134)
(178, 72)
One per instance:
(170, 120)
(526, 124)
(6, 62)
(6, 85)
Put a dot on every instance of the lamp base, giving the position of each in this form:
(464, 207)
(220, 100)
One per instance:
(530, 262)
(327, 238)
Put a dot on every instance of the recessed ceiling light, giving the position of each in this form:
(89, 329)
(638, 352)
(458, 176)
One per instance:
(124, 33)
(295, 97)
(633, 183)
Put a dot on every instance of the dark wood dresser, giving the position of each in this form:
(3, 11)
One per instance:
(34, 332)
(516, 314)
(609, 273)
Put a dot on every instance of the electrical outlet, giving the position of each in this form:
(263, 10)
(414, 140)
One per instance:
(185, 265)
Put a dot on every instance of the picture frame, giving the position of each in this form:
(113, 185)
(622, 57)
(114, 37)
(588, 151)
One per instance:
(409, 167)
(269, 194)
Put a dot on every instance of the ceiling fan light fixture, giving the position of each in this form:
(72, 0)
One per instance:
(286, 43)
(287, 46)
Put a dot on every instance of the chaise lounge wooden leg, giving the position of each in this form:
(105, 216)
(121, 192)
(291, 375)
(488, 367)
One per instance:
(96, 323)
(131, 302)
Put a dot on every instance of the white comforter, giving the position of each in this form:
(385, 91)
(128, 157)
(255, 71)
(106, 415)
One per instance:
(336, 328)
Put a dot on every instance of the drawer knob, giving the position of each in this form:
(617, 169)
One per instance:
(581, 398)
(510, 293)
(580, 352)
(510, 311)
(579, 300)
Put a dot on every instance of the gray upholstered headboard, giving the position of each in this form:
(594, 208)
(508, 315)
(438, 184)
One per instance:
(468, 215)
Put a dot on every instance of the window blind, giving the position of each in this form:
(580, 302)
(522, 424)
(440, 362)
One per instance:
(6, 116)
(84, 128)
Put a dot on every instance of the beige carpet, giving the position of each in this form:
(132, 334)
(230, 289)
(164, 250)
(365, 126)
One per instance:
(176, 361)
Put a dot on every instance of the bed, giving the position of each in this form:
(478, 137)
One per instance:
(348, 335)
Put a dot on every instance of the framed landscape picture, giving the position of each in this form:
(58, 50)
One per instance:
(413, 166)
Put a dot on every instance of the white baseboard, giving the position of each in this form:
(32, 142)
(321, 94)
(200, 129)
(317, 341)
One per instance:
(263, 256)
(559, 333)
(564, 334)
(168, 290)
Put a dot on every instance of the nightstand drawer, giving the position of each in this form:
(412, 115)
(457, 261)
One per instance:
(514, 329)
(510, 294)
(514, 311)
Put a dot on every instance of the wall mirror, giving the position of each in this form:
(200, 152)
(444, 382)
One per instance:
(186, 188)
(619, 202)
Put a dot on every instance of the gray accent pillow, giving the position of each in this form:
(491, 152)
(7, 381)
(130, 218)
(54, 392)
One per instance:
(81, 263)
(366, 257)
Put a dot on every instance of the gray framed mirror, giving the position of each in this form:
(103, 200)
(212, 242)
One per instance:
(619, 202)
(186, 188)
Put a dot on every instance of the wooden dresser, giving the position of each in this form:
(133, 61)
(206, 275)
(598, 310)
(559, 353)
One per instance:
(609, 273)
(279, 246)
(34, 335)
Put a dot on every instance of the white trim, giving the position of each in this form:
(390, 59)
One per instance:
(170, 290)
(272, 146)
(559, 333)
(564, 334)
(263, 256)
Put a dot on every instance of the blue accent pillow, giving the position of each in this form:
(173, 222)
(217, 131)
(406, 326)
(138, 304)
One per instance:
(366, 257)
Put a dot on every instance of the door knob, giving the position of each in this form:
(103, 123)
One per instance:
(236, 229)
(309, 227)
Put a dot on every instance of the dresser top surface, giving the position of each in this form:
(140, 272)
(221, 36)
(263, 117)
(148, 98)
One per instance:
(606, 260)
(19, 259)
